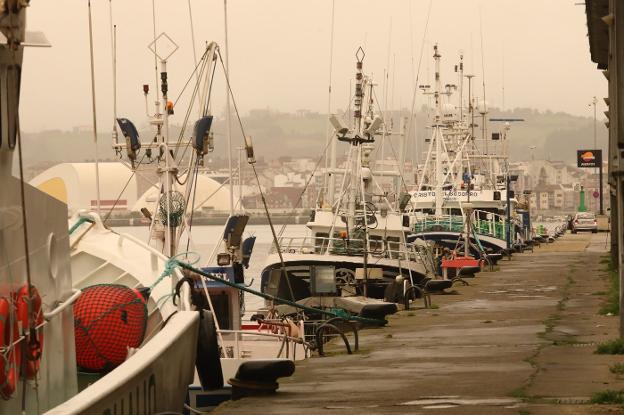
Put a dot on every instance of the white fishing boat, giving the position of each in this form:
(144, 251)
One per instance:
(357, 243)
(226, 354)
(462, 191)
(37, 297)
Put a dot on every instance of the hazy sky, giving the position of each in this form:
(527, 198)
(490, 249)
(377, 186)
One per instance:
(279, 53)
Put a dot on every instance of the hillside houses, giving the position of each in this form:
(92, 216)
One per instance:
(555, 185)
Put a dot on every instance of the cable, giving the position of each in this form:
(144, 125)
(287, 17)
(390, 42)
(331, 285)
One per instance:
(122, 191)
(305, 187)
(422, 48)
(255, 172)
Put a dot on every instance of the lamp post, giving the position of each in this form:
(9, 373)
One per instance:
(593, 103)
(510, 178)
(597, 171)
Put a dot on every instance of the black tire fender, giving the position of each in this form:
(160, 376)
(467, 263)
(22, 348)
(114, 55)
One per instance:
(208, 360)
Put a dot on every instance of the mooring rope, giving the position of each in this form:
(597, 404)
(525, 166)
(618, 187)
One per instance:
(175, 263)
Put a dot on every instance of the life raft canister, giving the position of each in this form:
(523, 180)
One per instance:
(11, 357)
(33, 337)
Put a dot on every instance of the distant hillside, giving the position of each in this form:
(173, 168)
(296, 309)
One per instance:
(276, 134)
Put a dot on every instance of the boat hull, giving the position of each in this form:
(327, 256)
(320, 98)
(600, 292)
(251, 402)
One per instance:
(50, 274)
(391, 268)
(152, 381)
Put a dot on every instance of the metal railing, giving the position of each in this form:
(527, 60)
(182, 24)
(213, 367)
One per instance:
(378, 248)
(288, 344)
(489, 224)
(483, 223)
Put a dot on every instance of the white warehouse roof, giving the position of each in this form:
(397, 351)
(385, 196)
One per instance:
(75, 184)
(210, 194)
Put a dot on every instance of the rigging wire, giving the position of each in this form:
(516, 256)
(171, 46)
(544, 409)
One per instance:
(305, 187)
(110, 211)
(193, 39)
(31, 319)
(255, 172)
(95, 140)
(192, 100)
(422, 49)
(188, 81)
(190, 224)
(394, 153)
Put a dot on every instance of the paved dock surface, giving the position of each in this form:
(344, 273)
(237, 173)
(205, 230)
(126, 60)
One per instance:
(519, 340)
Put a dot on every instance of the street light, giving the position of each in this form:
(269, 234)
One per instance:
(593, 103)
(597, 171)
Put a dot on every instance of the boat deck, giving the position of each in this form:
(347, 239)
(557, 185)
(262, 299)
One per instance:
(519, 340)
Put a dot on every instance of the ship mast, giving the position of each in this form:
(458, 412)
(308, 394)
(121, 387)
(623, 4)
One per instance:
(437, 135)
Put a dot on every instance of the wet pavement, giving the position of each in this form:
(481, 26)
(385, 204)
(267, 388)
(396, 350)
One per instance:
(519, 340)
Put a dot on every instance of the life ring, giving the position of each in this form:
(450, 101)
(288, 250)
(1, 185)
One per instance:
(10, 359)
(33, 337)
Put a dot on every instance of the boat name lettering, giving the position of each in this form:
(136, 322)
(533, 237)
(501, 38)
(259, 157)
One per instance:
(447, 194)
(139, 399)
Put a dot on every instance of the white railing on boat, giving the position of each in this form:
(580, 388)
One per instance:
(338, 246)
(289, 342)
(376, 248)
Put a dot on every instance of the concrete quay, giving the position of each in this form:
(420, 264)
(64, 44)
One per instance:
(519, 340)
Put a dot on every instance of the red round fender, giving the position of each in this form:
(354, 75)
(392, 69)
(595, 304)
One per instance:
(10, 360)
(33, 336)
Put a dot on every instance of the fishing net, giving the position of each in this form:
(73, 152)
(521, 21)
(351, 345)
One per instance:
(108, 319)
(354, 245)
(171, 208)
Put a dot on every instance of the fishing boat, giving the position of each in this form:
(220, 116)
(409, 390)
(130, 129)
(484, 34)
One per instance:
(461, 199)
(226, 353)
(38, 301)
(357, 244)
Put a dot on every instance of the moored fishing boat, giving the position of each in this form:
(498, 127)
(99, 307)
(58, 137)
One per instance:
(357, 245)
(40, 354)
(462, 193)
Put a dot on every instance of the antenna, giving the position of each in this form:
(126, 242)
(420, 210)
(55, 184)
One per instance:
(97, 166)
(113, 30)
(483, 110)
(386, 87)
(194, 53)
(330, 181)
(503, 78)
(461, 85)
(155, 51)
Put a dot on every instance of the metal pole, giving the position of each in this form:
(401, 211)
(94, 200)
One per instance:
(97, 166)
(330, 152)
(600, 190)
(113, 29)
(508, 227)
(227, 111)
(240, 178)
(594, 102)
